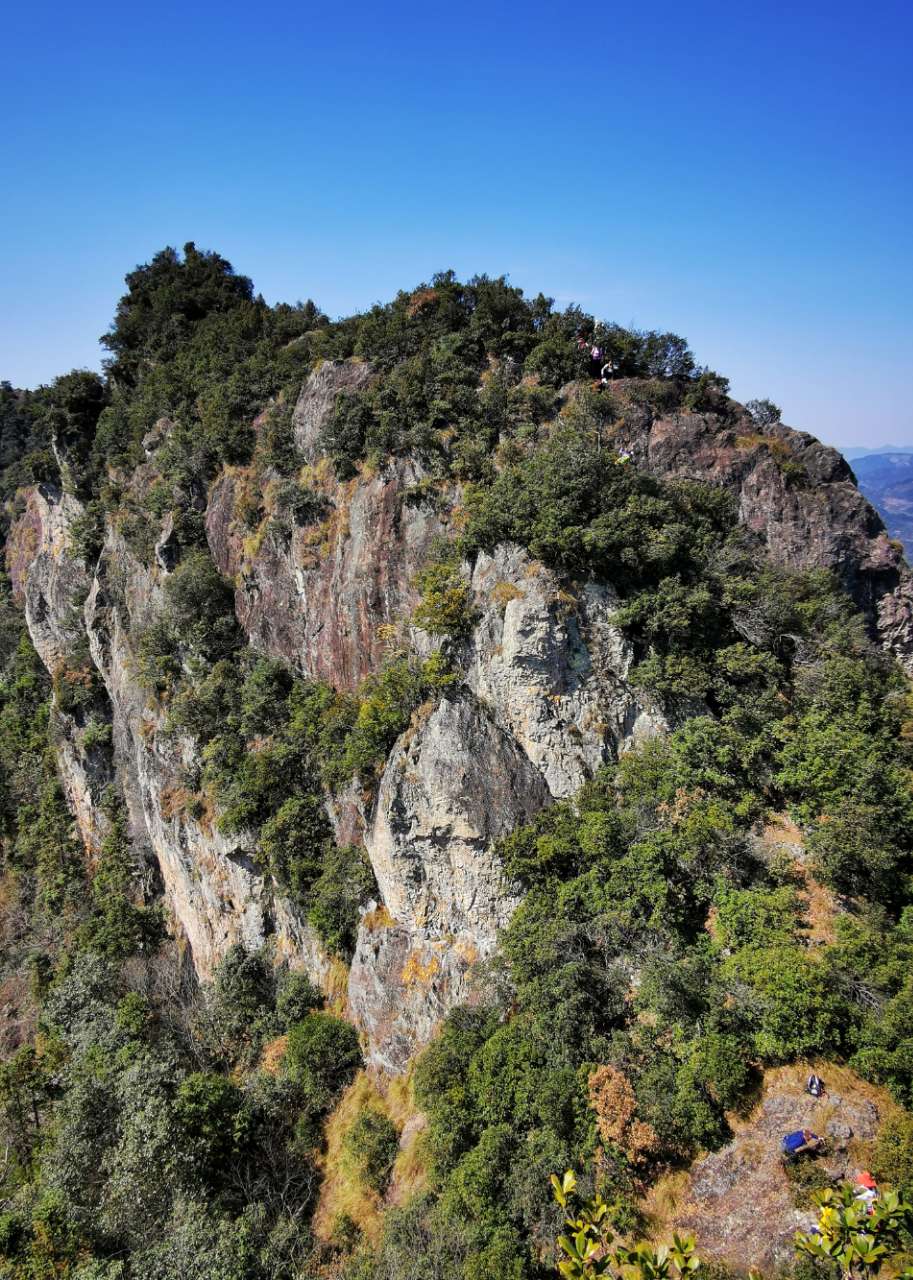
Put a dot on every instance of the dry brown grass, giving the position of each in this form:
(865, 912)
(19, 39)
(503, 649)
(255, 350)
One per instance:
(820, 907)
(410, 1172)
(377, 919)
(342, 1191)
(272, 1055)
(503, 592)
(336, 987)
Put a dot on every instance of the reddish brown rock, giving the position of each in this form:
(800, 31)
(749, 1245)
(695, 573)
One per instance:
(323, 597)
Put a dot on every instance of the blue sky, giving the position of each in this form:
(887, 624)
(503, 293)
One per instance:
(740, 173)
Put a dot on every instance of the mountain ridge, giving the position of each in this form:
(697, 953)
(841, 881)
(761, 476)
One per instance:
(428, 676)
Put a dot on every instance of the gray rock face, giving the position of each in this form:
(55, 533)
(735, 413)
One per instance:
(551, 666)
(47, 578)
(85, 772)
(51, 583)
(543, 698)
(452, 786)
(214, 891)
(798, 494)
(401, 986)
(318, 399)
(544, 703)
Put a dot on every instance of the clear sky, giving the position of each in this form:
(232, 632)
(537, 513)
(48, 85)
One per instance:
(739, 172)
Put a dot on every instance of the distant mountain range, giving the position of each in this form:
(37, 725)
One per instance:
(886, 478)
(858, 451)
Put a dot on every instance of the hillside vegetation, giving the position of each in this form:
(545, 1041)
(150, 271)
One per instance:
(661, 956)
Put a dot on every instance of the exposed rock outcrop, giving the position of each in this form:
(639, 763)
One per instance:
(402, 983)
(318, 399)
(452, 785)
(551, 666)
(541, 698)
(214, 891)
(739, 1200)
(544, 703)
(322, 597)
(797, 493)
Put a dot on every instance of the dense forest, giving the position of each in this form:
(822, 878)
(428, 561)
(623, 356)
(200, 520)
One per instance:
(657, 963)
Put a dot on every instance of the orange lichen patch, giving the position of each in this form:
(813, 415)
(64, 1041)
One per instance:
(418, 974)
(503, 592)
(272, 1055)
(466, 950)
(377, 919)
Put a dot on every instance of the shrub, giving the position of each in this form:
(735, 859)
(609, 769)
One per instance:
(296, 998)
(344, 885)
(370, 1146)
(322, 1057)
(892, 1161)
(445, 608)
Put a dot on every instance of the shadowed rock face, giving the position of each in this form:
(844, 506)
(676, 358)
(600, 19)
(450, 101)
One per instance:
(322, 598)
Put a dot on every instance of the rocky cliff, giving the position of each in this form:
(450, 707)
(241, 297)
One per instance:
(541, 700)
(799, 495)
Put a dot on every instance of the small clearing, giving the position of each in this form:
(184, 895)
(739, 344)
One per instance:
(738, 1201)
